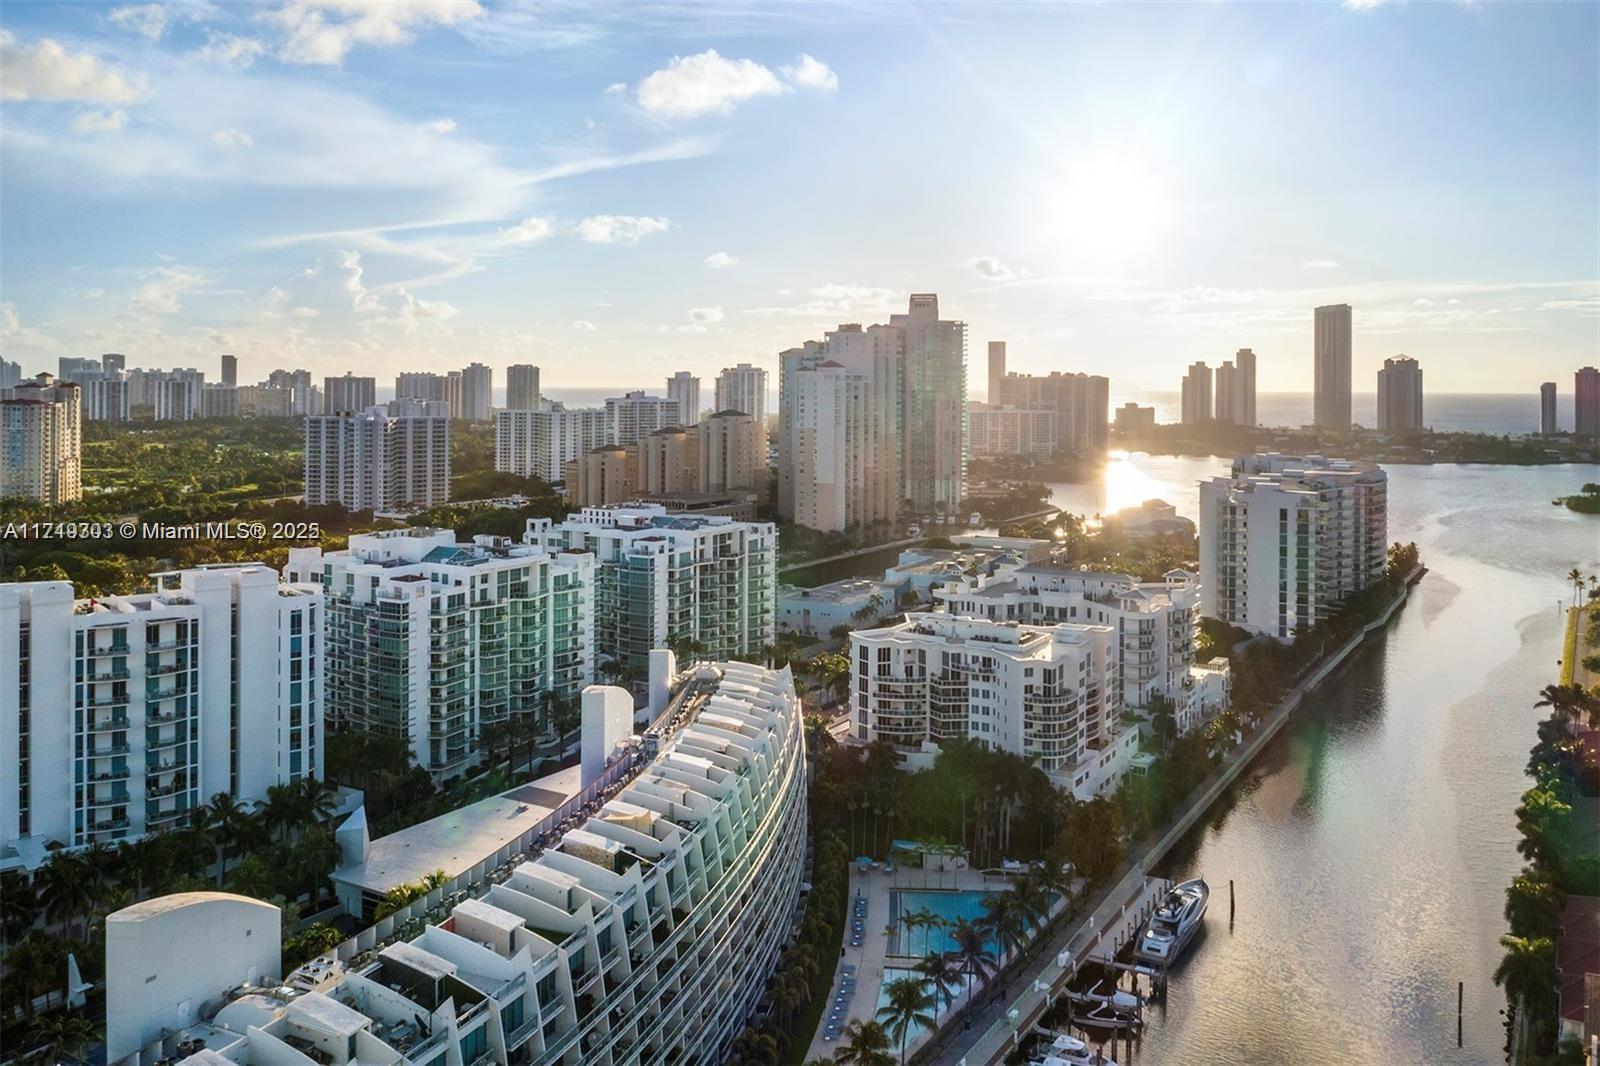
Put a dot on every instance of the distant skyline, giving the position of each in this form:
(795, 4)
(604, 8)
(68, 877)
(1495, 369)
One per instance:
(617, 192)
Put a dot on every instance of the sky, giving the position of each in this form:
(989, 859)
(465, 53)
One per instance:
(616, 192)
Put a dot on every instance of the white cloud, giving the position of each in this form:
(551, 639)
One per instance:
(836, 301)
(440, 125)
(231, 138)
(16, 335)
(100, 121)
(989, 268)
(1319, 264)
(617, 88)
(1363, 5)
(228, 50)
(304, 312)
(720, 260)
(46, 71)
(583, 325)
(413, 311)
(1422, 301)
(704, 84)
(620, 229)
(162, 293)
(811, 73)
(705, 315)
(527, 231)
(324, 31)
(150, 21)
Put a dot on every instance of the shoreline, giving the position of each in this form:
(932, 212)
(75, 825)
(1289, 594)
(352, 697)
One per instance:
(1020, 1014)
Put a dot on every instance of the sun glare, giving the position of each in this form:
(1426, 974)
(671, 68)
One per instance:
(1113, 208)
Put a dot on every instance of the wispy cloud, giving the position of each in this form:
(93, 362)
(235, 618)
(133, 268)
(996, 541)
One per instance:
(1319, 264)
(720, 260)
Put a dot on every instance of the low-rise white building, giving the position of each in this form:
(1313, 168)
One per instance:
(1154, 623)
(431, 640)
(1047, 693)
(125, 713)
(646, 932)
(850, 601)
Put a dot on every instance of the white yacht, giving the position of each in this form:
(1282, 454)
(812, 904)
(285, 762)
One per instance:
(1174, 923)
(1066, 1050)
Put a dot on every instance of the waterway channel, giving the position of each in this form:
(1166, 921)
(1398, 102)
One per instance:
(1371, 844)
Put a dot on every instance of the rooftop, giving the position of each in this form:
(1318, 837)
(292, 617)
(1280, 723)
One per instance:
(459, 840)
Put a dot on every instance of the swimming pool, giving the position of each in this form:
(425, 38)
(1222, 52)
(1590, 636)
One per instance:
(949, 906)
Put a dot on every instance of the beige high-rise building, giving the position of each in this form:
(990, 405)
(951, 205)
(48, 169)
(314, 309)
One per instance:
(1400, 396)
(1197, 399)
(743, 388)
(839, 440)
(1225, 393)
(602, 476)
(477, 392)
(522, 387)
(1331, 367)
(41, 441)
(683, 388)
(669, 461)
(1080, 401)
(733, 453)
(1244, 387)
(997, 373)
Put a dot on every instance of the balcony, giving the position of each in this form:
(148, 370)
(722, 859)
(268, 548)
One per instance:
(161, 745)
(163, 669)
(107, 651)
(110, 775)
(166, 645)
(105, 701)
(107, 752)
(114, 724)
(115, 798)
(119, 673)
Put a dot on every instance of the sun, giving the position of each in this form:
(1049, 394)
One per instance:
(1113, 207)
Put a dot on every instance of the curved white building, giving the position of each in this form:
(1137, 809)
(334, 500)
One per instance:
(643, 934)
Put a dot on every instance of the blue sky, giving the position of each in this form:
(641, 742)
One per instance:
(618, 192)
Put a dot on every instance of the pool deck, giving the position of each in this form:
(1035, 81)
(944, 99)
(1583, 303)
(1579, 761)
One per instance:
(872, 958)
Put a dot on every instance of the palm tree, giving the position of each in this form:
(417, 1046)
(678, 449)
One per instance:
(234, 828)
(38, 965)
(280, 810)
(1534, 904)
(19, 906)
(755, 1047)
(939, 969)
(317, 798)
(64, 1035)
(971, 950)
(66, 888)
(1575, 576)
(865, 1044)
(909, 1004)
(1003, 918)
(1528, 973)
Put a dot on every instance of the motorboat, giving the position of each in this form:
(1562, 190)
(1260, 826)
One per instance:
(1082, 1057)
(1116, 1010)
(1175, 922)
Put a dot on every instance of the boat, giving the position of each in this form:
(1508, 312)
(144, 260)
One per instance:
(1118, 1010)
(1069, 1051)
(1175, 922)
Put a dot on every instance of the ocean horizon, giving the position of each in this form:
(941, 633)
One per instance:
(1499, 413)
